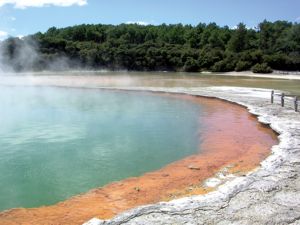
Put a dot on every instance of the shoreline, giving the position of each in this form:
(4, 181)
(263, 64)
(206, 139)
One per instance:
(189, 165)
(274, 75)
(284, 75)
(268, 195)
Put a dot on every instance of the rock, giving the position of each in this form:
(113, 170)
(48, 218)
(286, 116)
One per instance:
(137, 189)
(192, 167)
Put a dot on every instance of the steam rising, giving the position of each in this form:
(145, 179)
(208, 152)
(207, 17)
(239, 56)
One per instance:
(16, 54)
(22, 54)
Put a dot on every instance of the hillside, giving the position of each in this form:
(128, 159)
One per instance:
(205, 47)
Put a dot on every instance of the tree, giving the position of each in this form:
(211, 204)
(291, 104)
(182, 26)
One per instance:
(238, 41)
(164, 47)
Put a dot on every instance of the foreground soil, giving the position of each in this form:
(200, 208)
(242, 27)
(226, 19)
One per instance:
(233, 139)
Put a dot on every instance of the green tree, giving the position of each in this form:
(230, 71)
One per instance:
(238, 41)
(164, 47)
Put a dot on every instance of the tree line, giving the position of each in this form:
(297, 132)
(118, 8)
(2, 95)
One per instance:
(204, 47)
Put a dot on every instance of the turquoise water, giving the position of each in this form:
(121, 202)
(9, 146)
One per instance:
(56, 143)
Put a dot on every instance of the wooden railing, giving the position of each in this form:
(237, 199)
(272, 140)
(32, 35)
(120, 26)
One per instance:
(282, 100)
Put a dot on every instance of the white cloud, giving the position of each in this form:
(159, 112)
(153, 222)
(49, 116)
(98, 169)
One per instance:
(3, 35)
(143, 23)
(20, 36)
(22, 4)
(247, 27)
(12, 18)
(298, 19)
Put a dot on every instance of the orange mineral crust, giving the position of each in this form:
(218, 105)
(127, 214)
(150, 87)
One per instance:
(233, 139)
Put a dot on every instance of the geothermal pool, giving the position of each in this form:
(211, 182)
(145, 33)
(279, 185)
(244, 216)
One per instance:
(59, 142)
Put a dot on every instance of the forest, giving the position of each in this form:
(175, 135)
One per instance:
(204, 47)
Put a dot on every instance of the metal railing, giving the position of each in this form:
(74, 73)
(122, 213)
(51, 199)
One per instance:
(282, 100)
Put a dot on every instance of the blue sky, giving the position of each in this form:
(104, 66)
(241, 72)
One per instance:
(22, 17)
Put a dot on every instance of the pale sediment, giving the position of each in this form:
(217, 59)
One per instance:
(268, 195)
(275, 75)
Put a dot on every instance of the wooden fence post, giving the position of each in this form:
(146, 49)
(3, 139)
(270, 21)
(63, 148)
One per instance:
(296, 104)
(272, 96)
(282, 100)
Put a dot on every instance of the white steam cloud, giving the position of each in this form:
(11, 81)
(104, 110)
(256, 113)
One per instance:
(142, 23)
(23, 55)
(22, 4)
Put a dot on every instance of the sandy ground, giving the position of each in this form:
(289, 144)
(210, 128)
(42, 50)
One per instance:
(291, 75)
(276, 75)
(236, 150)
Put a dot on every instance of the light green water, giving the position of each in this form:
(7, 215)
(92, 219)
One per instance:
(55, 142)
(156, 79)
(170, 79)
(150, 79)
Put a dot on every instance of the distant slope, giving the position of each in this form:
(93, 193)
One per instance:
(273, 45)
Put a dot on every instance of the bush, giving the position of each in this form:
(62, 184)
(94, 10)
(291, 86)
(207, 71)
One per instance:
(223, 66)
(283, 62)
(242, 66)
(261, 68)
(191, 65)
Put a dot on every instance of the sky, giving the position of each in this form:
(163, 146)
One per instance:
(23, 17)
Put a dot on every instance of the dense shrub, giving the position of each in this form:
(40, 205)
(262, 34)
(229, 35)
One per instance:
(262, 68)
(242, 66)
(223, 66)
(191, 65)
